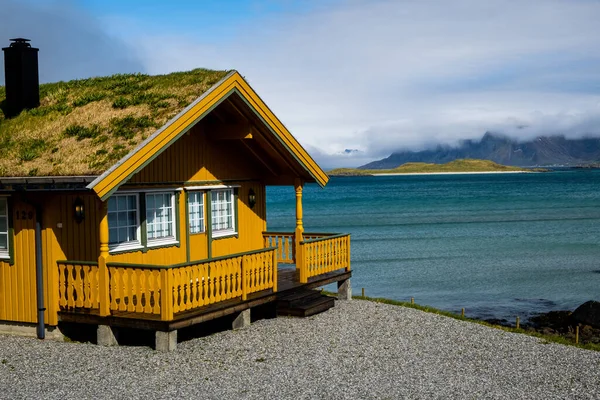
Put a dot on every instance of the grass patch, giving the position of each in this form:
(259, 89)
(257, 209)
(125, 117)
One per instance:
(118, 110)
(82, 132)
(31, 149)
(547, 338)
(88, 98)
(126, 127)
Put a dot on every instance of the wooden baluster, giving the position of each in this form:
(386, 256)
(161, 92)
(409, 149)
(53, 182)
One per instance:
(113, 288)
(166, 294)
(244, 279)
(227, 279)
(87, 287)
(61, 286)
(141, 284)
(147, 274)
(128, 290)
(193, 286)
(77, 286)
(121, 287)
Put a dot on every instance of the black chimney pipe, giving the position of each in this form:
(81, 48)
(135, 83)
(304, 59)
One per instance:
(22, 80)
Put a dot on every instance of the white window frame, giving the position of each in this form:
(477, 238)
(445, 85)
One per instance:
(132, 244)
(200, 222)
(5, 253)
(165, 240)
(223, 232)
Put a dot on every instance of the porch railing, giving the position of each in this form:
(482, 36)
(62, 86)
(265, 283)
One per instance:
(319, 253)
(78, 284)
(284, 242)
(324, 254)
(138, 288)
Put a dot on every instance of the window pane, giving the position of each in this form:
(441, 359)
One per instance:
(112, 204)
(113, 236)
(3, 241)
(159, 215)
(3, 224)
(122, 236)
(122, 218)
(222, 210)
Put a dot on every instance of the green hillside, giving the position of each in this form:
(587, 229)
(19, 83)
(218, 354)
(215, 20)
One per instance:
(464, 165)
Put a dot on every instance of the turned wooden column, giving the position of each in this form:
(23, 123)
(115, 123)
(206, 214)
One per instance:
(103, 279)
(299, 231)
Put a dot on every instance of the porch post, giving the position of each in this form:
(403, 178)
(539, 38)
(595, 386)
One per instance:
(103, 279)
(298, 233)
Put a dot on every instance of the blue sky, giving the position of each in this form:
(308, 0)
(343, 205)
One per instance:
(372, 75)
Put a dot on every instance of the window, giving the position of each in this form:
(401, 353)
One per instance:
(160, 216)
(136, 222)
(3, 228)
(123, 220)
(196, 211)
(222, 212)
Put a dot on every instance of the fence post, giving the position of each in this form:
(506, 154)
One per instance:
(166, 295)
(301, 263)
(347, 240)
(103, 287)
(274, 271)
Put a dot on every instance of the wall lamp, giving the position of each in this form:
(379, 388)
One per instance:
(78, 210)
(251, 198)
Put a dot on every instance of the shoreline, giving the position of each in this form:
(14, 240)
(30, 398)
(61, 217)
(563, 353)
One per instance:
(453, 173)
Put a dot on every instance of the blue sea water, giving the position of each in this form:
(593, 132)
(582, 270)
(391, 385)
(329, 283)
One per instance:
(499, 245)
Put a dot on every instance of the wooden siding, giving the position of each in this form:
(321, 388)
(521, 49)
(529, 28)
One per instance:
(17, 281)
(197, 158)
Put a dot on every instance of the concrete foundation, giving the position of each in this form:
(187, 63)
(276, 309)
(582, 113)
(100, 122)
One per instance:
(242, 320)
(344, 290)
(30, 330)
(166, 341)
(106, 336)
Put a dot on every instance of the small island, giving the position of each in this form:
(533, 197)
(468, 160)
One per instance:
(453, 167)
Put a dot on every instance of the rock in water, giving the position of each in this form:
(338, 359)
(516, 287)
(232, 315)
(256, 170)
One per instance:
(587, 314)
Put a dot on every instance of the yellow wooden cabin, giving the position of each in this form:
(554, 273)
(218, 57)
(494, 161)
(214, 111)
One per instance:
(139, 201)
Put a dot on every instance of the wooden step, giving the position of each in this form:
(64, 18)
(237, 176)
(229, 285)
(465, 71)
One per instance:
(298, 297)
(312, 306)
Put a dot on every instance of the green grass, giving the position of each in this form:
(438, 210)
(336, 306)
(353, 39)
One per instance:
(82, 126)
(548, 338)
(462, 165)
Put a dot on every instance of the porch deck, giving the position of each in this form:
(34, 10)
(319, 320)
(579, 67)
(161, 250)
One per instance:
(287, 282)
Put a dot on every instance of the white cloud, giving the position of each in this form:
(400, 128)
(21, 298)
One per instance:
(378, 75)
(73, 44)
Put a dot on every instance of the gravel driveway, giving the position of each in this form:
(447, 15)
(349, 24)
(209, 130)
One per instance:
(358, 350)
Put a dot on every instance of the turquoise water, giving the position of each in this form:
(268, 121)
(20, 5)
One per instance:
(499, 245)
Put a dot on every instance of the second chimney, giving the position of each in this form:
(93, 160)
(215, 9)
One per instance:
(21, 73)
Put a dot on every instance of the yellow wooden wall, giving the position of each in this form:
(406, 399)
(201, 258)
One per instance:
(195, 157)
(17, 287)
(62, 238)
(194, 160)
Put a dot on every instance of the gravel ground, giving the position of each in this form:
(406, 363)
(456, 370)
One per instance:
(357, 350)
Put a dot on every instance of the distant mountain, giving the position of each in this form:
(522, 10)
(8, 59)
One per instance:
(553, 150)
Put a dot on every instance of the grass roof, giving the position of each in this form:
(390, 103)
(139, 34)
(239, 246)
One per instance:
(84, 126)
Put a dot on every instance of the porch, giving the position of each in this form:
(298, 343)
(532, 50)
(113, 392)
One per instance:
(131, 295)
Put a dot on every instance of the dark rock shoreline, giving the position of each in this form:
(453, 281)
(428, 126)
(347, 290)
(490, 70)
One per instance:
(563, 323)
